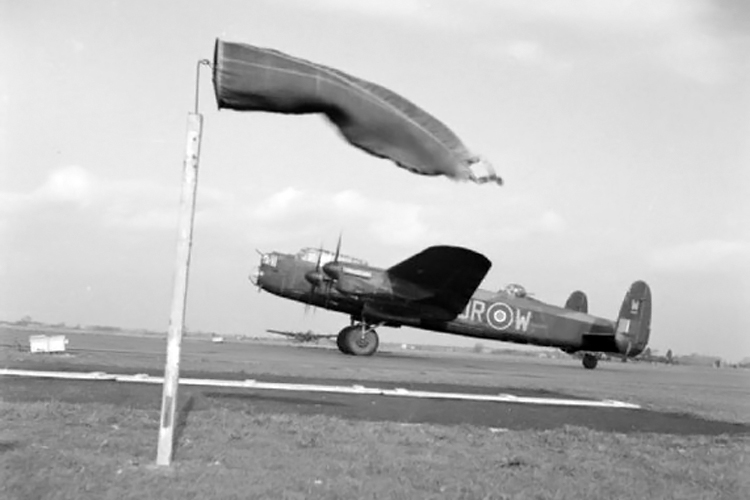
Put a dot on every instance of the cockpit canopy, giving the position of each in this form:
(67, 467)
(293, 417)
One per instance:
(310, 254)
(515, 290)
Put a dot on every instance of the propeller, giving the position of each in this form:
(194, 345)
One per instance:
(256, 274)
(315, 277)
(332, 269)
(335, 262)
(322, 276)
(338, 249)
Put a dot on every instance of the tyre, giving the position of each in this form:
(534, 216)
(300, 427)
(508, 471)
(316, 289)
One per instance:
(361, 341)
(589, 361)
(341, 341)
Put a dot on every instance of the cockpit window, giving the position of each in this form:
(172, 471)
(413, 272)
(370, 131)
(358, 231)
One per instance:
(270, 259)
(311, 255)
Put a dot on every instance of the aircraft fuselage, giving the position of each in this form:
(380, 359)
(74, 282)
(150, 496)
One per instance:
(370, 295)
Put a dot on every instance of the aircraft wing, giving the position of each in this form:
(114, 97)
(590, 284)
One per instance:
(442, 277)
(278, 332)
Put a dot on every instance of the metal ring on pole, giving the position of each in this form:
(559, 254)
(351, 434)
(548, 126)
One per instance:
(202, 62)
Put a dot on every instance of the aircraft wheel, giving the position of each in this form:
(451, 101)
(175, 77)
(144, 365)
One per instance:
(590, 361)
(360, 340)
(341, 339)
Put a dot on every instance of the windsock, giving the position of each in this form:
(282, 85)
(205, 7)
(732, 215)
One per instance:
(368, 116)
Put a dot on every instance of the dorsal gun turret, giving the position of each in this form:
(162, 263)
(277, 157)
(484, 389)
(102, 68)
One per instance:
(515, 290)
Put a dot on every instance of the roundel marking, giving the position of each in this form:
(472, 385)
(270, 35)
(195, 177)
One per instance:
(500, 316)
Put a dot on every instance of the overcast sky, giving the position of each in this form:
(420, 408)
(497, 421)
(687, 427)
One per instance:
(621, 129)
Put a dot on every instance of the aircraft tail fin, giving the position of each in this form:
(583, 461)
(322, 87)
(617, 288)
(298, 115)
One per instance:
(577, 302)
(634, 321)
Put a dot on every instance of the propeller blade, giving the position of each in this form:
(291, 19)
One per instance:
(315, 283)
(338, 249)
(255, 276)
(329, 282)
(308, 308)
(320, 253)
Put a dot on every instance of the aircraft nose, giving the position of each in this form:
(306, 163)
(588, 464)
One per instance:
(255, 276)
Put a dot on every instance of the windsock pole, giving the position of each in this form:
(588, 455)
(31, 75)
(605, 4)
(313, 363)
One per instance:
(179, 293)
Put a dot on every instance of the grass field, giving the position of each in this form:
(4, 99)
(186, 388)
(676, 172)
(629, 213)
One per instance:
(57, 450)
(68, 451)
(718, 394)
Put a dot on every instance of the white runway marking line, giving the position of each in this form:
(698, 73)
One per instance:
(337, 389)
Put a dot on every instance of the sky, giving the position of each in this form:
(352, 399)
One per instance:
(621, 130)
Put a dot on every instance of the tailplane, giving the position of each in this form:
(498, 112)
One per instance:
(634, 321)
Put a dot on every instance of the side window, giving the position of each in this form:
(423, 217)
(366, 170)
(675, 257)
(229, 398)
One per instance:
(270, 259)
(359, 273)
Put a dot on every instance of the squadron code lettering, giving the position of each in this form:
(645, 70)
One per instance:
(497, 315)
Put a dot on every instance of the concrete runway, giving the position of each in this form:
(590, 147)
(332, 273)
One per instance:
(414, 370)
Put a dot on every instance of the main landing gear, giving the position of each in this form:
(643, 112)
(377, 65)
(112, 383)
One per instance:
(358, 340)
(590, 361)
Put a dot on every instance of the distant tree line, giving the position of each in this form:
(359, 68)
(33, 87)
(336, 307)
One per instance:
(653, 356)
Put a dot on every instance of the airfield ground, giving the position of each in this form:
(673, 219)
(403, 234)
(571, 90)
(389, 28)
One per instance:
(70, 439)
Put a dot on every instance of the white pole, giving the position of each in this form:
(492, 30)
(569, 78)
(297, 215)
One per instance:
(179, 294)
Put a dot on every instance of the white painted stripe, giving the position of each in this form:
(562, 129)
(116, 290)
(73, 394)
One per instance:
(338, 389)
(62, 375)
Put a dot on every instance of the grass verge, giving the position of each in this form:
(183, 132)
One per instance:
(56, 450)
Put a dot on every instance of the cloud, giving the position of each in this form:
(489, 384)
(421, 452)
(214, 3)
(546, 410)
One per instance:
(423, 218)
(624, 13)
(456, 214)
(679, 35)
(699, 57)
(392, 222)
(350, 200)
(76, 45)
(130, 215)
(384, 8)
(692, 38)
(550, 222)
(137, 204)
(525, 52)
(67, 187)
(70, 184)
(425, 12)
(278, 204)
(312, 213)
(702, 255)
(472, 14)
(289, 214)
